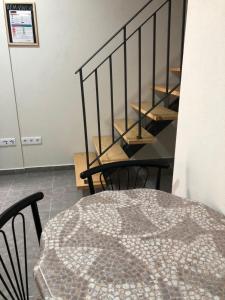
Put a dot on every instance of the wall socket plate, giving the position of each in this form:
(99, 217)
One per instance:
(7, 142)
(31, 140)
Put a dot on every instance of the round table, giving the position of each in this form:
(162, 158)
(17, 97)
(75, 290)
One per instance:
(137, 244)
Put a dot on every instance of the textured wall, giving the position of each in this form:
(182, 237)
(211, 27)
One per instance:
(200, 152)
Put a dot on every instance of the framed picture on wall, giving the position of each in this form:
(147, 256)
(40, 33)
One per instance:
(21, 23)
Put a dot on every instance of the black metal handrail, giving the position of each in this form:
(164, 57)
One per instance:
(124, 41)
(113, 36)
(109, 59)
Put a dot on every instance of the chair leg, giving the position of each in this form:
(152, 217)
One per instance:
(91, 185)
(158, 179)
(37, 220)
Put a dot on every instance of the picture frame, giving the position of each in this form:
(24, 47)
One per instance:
(21, 23)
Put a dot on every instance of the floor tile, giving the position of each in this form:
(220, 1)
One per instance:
(5, 183)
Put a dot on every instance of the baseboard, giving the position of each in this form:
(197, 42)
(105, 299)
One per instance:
(35, 169)
(170, 160)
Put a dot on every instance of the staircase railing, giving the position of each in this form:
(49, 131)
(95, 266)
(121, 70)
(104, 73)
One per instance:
(109, 59)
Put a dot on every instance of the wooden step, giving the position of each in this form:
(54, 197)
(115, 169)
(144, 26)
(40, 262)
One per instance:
(162, 89)
(115, 153)
(159, 113)
(175, 70)
(131, 136)
(80, 166)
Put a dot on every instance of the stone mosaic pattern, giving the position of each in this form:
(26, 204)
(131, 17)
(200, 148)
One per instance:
(138, 244)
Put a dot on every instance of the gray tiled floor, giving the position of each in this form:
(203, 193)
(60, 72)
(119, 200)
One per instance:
(58, 187)
(60, 193)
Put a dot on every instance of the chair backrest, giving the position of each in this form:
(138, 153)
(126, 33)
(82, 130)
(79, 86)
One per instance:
(126, 175)
(13, 251)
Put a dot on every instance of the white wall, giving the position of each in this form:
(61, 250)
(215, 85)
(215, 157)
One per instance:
(47, 92)
(10, 157)
(200, 151)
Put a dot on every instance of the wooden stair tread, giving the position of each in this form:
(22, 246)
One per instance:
(131, 136)
(162, 89)
(159, 113)
(115, 153)
(81, 165)
(175, 70)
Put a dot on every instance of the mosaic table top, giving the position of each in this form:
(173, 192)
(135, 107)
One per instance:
(138, 244)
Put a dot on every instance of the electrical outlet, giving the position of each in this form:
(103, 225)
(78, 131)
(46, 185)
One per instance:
(32, 140)
(7, 142)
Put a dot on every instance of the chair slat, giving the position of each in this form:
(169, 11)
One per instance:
(12, 263)
(17, 253)
(14, 277)
(118, 175)
(9, 277)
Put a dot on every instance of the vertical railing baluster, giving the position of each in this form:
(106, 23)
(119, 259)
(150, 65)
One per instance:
(98, 112)
(84, 118)
(139, 83)
(112, 97)
(154, 60)
(183, 31)
(168, 51)
(125, 75)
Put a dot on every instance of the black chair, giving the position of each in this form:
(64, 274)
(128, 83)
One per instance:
(13, 256)
(126, 175)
